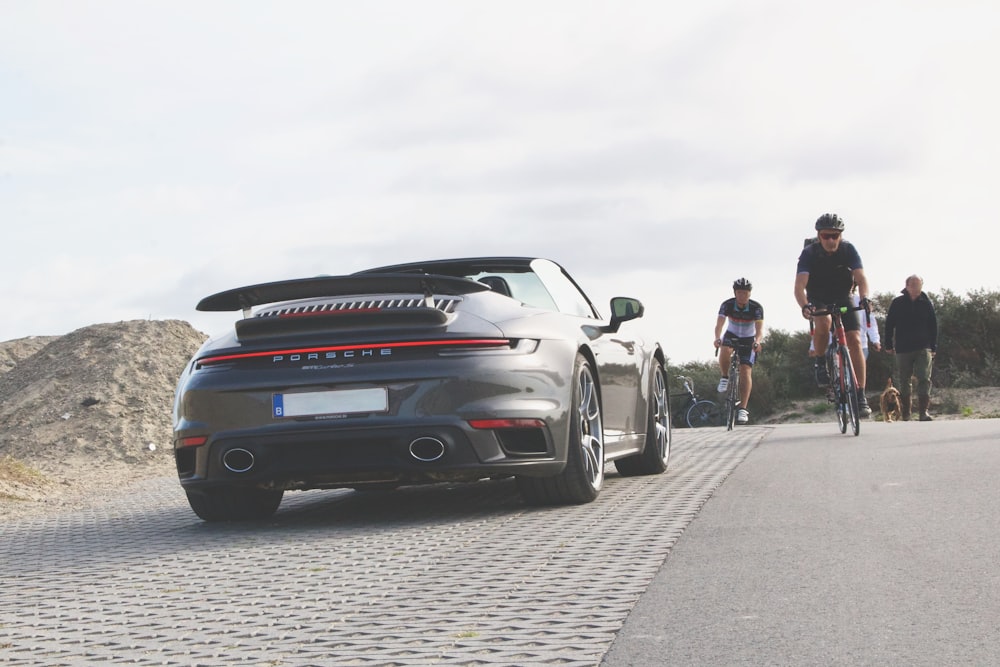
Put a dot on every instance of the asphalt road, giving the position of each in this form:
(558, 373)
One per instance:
(823, 549)
(787, 545)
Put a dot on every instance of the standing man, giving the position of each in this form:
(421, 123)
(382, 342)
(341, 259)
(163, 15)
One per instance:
(746, 328)
(911, 333)
(827, 271)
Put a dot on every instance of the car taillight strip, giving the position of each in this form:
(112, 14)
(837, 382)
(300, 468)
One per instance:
(466, 342)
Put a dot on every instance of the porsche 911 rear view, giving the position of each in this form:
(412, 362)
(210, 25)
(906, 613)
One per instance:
(432, 372)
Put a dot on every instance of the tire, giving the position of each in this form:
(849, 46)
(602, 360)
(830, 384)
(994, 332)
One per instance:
(704, 413)
(852, 408)
(834, 367)
(837, 379)
(733, 397)
(841, 411)
(229, 503)
(582, 478)
(656, 452)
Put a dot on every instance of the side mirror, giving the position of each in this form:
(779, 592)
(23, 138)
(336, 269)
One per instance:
(624, 309)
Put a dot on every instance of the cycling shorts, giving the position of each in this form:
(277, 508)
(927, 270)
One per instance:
(743, 345)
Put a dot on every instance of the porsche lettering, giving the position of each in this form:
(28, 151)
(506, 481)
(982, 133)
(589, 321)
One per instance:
(333, 354)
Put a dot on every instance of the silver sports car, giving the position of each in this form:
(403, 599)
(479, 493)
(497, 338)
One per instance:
(441, 371)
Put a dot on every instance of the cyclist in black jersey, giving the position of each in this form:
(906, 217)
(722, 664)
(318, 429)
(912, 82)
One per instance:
(828, 269)
(746, 327)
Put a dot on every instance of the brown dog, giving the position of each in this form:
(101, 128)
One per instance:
(890, 403)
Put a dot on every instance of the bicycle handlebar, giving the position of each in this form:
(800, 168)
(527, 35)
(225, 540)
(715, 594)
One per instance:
(828, 309)
(734, 346)
(726, 343)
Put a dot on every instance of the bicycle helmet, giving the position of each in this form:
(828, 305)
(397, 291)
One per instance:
(830, 221)
(743, 283)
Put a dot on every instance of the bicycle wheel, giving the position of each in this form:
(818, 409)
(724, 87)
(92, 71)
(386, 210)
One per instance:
(704, 413)
(839, 395)
(850, 388)
(733, 397)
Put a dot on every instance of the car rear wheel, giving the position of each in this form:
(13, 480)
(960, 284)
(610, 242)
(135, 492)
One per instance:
(582, 478)
(654, 456)
(227, 503)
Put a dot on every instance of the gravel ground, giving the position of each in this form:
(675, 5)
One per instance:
(85, 414)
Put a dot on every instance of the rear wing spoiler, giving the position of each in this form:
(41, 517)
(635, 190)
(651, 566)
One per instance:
(244, 298)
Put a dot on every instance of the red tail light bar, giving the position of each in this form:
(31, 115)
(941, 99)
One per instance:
(445, 343)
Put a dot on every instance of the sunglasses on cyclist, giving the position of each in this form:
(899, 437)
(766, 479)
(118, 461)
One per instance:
(829, 236)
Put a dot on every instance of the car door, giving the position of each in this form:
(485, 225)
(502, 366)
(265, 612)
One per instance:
(618, 356)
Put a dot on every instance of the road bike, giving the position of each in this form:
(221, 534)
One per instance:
(732, 402)
(840, 368)
(695, 411)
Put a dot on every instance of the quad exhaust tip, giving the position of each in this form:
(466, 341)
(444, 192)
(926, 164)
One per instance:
(427, 449)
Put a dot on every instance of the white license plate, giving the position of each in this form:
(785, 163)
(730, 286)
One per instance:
(343, 401)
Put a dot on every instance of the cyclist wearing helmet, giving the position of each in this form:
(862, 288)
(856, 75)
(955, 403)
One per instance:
(746, 327)
(828, 269)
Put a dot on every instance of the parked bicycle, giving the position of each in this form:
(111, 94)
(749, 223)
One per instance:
(696, 411)
(840, 368)
(732, 402)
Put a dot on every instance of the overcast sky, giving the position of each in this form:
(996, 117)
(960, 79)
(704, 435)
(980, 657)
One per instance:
(152, 153)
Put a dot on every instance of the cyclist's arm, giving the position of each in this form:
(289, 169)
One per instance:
(758, 333)
(801, 280)
(862, 282)
(719, 324)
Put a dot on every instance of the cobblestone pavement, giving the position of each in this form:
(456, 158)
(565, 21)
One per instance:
(442, 575)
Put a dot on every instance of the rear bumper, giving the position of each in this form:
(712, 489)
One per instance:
(344, 457)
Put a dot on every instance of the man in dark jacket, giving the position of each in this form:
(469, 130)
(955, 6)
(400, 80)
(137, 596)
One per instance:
(911, 333)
